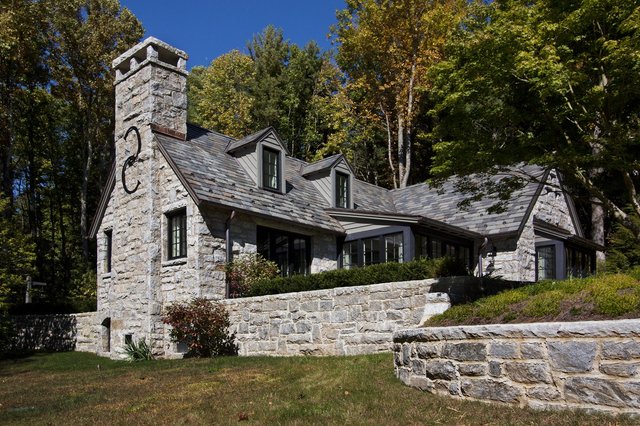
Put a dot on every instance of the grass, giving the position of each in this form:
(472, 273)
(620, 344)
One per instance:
(69, 388)
(595, 298)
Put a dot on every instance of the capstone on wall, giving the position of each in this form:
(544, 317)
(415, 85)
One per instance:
(581, 365)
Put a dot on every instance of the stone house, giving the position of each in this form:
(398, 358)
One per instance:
(181, 200)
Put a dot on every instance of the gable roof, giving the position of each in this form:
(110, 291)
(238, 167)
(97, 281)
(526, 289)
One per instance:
(442, 204)
(104, 201)
(258, 136)
(323, 164)
(212, 176)
(217, 178)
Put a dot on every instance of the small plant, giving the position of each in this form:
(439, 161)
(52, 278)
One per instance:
(247, 270)
(140, 351)
(203, 325)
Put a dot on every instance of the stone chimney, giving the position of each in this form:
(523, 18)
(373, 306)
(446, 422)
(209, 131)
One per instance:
(151, 95)
(151, 88)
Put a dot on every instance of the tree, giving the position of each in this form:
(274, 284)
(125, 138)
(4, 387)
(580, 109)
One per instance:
(89, 34)
(386, 49)
(547, 82)
(276, 85)
(56, 133)
(17, 258)
(23, 69)
(222, 100)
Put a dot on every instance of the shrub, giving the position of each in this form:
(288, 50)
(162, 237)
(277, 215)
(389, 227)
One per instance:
(247, 270)
(7, 332)
(203, 326)
(140, 351)
(373, 274)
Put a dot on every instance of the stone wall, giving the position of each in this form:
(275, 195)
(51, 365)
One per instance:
(56, 333)
(580, 365)
(339, 321)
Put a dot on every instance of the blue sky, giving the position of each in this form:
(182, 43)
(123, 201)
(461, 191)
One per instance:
(206, 29)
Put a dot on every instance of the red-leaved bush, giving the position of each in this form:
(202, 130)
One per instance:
(203, 326)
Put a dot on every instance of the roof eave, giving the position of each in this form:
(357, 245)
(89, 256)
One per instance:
(178, 172)
(274, 218)
(104, 202)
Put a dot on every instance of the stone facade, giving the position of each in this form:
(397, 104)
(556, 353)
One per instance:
(515, 258)
(339, 321)
(580, 365)
(137, 278)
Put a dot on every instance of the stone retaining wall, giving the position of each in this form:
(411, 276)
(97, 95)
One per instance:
(56, 333)
(585, 365)
(339, 321)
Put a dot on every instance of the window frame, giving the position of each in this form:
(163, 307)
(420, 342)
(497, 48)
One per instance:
(554, 258)
(266, 151)
(173, 216)
(366, 255)
(338, 202)
(108, 235)
(438, 245)
(266, 236)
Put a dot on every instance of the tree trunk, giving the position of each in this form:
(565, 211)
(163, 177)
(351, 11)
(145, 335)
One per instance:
(389, 146)
(401, 153)
(597, 228)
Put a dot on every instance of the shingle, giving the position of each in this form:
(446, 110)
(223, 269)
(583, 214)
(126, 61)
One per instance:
(248, 139)
(443, 204)
(216, 177)
(320, 165)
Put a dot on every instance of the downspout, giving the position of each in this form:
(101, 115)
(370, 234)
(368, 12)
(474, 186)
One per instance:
(229, 245)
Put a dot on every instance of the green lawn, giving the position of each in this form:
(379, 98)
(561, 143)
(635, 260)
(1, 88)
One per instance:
(612, 296)
(77, 388)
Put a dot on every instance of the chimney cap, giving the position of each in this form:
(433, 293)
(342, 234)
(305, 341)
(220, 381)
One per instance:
(166, 53)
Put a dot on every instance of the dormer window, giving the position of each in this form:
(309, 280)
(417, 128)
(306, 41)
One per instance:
(271, 169)
(342, 190)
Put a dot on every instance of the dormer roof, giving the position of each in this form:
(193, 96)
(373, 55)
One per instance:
(203, 165)
(326, 163)
(256, 137)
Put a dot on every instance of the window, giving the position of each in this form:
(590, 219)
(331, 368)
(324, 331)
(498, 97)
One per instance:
(393, 248)
(578, 262)
(177, 234)
(271, 169)
(350, 254)
(369, 251)
(342, 190)
(435, 247)
(291, 252)
(546, 261)
(108, 236)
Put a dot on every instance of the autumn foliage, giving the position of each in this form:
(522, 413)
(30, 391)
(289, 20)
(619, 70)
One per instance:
(203, 325)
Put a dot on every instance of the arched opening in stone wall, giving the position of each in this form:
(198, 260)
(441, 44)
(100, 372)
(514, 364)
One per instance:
(106, 335)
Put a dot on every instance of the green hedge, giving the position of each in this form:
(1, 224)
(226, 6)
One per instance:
(374, 274)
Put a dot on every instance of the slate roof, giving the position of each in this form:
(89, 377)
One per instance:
(320, 165)
(212, 175)
(442, 205)
(216, 177)
(247, 140)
